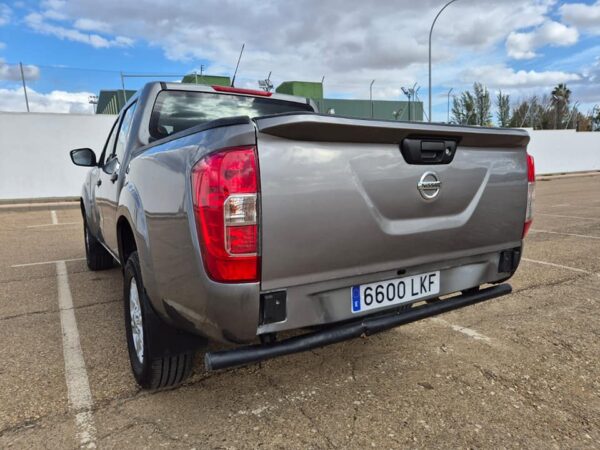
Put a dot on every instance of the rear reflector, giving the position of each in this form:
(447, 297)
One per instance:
(235, 90)
(225, 192)
(530, 194)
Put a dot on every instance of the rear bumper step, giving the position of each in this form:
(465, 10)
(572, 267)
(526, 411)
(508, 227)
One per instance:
(365, 326)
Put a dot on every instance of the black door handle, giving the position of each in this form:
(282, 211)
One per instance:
(114, 176)
(98, 183)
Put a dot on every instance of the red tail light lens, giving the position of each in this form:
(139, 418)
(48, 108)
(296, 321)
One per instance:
(225, 192)
(530, 194)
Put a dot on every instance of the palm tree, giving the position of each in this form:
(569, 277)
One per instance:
(561, 95)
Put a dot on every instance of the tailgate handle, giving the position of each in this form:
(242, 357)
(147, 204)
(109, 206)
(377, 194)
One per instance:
(428, 150)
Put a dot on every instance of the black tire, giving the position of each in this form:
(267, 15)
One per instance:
(96, 255)
(156, 368)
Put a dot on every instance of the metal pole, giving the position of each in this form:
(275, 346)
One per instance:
(24, 86)
(237, 65)
(430, 33)
(123, 88)
(415, 94)
(571, 115)
(525, 116)
(449, 92)
(371, 96)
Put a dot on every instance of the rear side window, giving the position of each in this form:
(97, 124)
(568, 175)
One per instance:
(176, 111)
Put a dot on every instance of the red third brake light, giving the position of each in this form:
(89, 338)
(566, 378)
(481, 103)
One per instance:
(225, 191)
(530, 194)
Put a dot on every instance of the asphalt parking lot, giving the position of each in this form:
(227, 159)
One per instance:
(518, 371)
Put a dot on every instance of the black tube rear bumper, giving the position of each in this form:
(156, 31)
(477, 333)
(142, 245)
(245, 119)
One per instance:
(367, 326)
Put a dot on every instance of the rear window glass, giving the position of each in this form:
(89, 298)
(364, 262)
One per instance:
(176, 111)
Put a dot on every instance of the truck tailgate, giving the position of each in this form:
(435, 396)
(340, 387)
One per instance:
(338, 198)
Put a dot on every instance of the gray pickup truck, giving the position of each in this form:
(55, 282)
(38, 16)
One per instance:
(240, 215)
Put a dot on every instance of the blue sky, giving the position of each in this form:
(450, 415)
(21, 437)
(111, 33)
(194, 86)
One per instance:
(72, 49)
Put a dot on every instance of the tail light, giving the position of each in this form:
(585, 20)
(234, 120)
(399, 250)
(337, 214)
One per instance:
(530, 194)
(225, 192)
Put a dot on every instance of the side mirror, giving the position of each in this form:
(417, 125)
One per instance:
(83, 157)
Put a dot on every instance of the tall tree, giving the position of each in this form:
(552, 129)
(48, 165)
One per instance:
(533, 112)
(595, 119)
(473, 108)
(561, 96)
(503, 109)
(483, 105)
(463, 109)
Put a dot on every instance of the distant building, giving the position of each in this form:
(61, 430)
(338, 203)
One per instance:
(210, 80)
(377, 109)
(306, 89)
(363, 109)
(111, 102)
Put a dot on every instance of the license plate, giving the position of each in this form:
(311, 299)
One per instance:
(394, 292)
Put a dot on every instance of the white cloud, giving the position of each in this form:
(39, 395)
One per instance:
(501, 76)
(37, 22)
(92, 25)
(350, 42)
(582, 15)
(522, 45)
(55, 101)
(12, 72)
(2, 45)
(5, 14)
(343, 39)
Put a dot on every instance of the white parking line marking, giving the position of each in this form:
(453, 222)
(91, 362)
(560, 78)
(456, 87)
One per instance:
(568, 217)
(47, 262)
(588, 204)
(78, 386)
(54, 218)
(558, 266)
(53, 224)
(464, 330)
(585, 236)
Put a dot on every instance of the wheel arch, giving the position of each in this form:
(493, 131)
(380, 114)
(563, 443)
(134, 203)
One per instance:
(125, 239)
(132, 234)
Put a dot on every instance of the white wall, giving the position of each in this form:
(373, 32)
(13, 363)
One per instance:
(558, 151)
(34, 152)
(35, 163)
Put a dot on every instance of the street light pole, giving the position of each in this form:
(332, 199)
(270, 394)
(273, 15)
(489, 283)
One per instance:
(371, 96)
(430, 33)
(24, 86)
(449, 92)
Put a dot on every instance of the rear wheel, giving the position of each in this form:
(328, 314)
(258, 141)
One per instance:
(153, 367)
(97, 257)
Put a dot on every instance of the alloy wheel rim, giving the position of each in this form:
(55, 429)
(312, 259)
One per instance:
(135, 316)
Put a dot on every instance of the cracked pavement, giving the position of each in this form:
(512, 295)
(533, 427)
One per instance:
(535, 383)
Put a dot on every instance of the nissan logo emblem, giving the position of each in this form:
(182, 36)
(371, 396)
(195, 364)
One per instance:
(429, 186)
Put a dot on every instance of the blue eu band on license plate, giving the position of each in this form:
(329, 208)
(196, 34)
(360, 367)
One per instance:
(365, 297)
